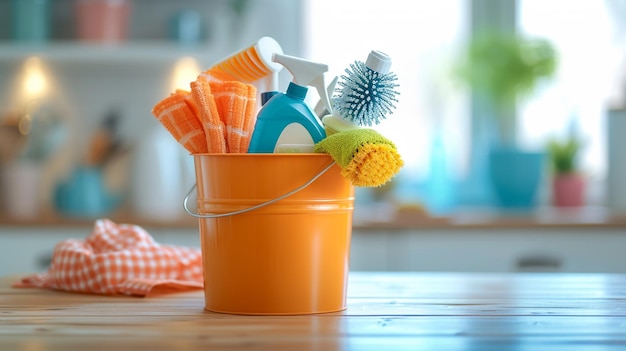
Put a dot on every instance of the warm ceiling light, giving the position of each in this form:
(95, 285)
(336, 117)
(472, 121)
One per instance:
(186, 70)
(35, 80)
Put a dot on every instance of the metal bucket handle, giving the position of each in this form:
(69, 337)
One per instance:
(263, 204)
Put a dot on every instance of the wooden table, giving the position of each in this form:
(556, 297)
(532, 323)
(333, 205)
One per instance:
(386, 311)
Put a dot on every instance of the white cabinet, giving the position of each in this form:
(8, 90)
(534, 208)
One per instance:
(589, 249)
(573, 249)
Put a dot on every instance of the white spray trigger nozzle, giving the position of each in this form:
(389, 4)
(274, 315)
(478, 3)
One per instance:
(306, 73)
(321, 109)
(303, 71)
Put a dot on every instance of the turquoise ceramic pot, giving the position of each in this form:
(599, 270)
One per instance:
(516, 176)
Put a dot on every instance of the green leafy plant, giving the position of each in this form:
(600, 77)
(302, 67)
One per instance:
(502, 68)
(563, 155)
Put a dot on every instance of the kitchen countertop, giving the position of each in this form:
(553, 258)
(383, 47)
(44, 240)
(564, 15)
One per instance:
(386, 311)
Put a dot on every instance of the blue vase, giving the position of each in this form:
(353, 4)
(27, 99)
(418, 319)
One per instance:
(515, 177)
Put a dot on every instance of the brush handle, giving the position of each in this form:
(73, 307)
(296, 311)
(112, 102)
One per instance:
(378, 61)
(253, 63)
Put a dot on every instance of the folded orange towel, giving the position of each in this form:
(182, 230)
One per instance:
(118, 259)
(249, 118)
(178, 117)
(190, 103)
(209, 116)
(217, 116)
(235, 103)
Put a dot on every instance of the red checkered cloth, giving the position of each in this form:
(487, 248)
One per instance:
(118, 259)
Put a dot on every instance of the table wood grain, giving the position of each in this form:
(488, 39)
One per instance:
(386, 311)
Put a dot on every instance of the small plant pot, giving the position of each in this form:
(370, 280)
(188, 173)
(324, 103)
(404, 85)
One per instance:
(568, 190)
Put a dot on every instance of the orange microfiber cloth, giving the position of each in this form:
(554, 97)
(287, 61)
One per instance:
(365, 156)
(236, 103)
(216, 116)
(249, 118)
(178, 117)
(118, 259)
(212, 124)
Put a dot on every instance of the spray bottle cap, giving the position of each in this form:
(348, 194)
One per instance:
(378, 61)
(306, 73)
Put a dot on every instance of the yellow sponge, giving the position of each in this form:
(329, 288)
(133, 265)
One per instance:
(366, 157)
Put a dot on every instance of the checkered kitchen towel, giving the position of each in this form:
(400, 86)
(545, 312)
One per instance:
(118, 259)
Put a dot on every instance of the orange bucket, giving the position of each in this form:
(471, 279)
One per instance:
(275, 232)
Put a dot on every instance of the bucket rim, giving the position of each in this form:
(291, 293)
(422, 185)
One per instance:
(299, 154)
(252, 208)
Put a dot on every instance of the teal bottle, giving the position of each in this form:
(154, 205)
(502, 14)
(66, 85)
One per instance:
(286, 119)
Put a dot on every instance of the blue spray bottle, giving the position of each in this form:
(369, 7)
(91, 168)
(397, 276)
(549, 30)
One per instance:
(286, 123)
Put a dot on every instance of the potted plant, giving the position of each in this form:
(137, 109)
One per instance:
(501, 69)
(568, 184)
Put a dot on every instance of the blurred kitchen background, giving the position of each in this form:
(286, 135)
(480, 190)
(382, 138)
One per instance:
(78, 80)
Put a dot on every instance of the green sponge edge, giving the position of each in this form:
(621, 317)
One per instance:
(343, 145)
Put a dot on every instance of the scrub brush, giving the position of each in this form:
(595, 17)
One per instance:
(366, 94)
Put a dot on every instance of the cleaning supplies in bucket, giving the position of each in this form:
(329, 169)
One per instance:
(217, 115)
(275, 228)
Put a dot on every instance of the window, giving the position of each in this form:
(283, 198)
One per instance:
(420, 37)
(423, 37)
(590, 44)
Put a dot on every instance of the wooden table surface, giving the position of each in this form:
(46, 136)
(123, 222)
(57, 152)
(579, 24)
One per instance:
(386, 311)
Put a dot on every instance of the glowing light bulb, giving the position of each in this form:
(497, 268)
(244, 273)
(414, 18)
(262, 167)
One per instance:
(186, 70)
(35, 80)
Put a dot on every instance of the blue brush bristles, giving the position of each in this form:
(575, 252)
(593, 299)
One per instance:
(365, 96)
